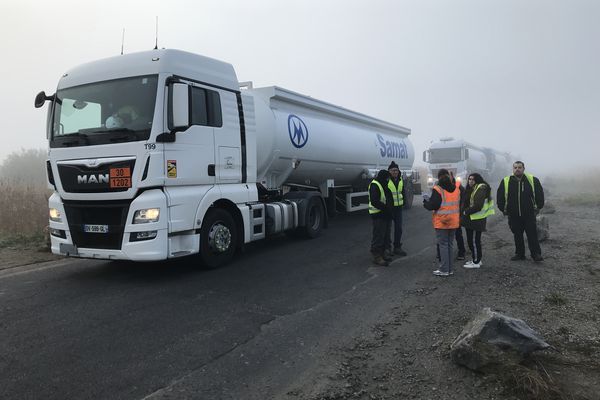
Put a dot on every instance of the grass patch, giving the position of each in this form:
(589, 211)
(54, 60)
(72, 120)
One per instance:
(555, 299)
(531, 383)
(24, 211)
(22, 241)
(584, 199)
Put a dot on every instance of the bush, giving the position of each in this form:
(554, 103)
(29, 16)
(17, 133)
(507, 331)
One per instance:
(23, 195)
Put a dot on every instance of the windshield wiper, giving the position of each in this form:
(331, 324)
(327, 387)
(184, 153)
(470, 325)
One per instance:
(75, 135)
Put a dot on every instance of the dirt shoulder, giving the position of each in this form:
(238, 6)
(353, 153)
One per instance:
(18, 251)
(406, 355)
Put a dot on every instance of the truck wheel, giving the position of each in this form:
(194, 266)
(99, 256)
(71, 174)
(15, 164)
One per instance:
(218, 238)
(314, 218)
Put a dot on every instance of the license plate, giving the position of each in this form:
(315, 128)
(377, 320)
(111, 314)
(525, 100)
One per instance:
(95, 228)
(120, 177)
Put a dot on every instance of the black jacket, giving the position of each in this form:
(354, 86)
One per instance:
(374, 197)
(520, 197)
(466, 209)
(435, 201)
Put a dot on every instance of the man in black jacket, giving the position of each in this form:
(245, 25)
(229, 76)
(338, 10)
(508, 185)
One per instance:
(521, 196)
(381, 205)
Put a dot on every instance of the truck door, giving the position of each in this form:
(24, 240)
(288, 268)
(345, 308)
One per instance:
(228, 156)
(190, 159)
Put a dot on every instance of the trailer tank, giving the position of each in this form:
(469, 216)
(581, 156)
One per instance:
(306, 141)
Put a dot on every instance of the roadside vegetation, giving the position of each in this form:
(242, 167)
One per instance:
(24, 199)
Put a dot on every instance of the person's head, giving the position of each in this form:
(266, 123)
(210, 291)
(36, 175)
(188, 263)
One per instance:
(443, 172)
(518, 168)
(124, 116)
(445, 182)
(394, 170)
(383, 176)
(474, 179)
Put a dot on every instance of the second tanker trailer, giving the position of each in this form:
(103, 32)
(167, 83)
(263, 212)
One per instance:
(160, 154)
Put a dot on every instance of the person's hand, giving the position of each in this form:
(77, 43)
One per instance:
(536, 211)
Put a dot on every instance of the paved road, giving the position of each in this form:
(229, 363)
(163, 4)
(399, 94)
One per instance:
(78, 329)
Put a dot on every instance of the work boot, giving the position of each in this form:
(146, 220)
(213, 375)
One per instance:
(378, 260)
(537, 257)
(517, 257)
(398, 251)
(387, 255)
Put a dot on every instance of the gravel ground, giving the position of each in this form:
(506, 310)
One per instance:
(406, 355)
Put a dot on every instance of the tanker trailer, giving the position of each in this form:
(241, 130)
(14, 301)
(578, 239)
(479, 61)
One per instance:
(160, 154)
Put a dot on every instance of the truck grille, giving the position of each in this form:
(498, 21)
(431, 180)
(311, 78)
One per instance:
(109, 213)
(78, 178)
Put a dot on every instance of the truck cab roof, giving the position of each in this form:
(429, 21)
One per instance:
(188, 65)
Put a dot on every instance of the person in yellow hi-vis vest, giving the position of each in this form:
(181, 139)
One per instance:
(396, 186)
(477, 205)
(380, 209)
(521, 197)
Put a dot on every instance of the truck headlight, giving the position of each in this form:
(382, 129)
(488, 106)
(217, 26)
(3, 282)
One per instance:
(54, 215)
(430, 179)
(146, 215)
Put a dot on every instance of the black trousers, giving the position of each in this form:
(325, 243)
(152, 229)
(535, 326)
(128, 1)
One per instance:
(381, 235)
(526, 224)
(474, 241)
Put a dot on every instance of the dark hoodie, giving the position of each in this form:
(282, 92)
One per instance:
(435, 201)
(374, 196)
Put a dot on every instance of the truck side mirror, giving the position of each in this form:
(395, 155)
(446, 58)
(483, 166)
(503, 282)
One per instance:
(179, 107)
(425, 156)
(41, 98)
(466, 154)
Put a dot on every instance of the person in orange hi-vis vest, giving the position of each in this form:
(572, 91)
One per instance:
(445, 204)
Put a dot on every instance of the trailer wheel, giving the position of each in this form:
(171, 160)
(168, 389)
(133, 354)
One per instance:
(218, 238)
(314, 219)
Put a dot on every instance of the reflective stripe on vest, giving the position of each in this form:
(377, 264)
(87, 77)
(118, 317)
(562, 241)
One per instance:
(373, 209)
(396, 192)
(529, 178)
(447, 216)
(486, 210)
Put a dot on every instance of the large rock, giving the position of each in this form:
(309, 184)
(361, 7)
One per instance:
(543, 228)
(492, 340)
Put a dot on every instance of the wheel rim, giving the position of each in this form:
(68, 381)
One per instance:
(219, 237)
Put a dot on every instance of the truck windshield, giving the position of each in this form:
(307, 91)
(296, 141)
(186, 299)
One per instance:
(119, 110)
(449, 155)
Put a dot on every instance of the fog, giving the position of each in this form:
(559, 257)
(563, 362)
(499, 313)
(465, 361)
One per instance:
(516, 75)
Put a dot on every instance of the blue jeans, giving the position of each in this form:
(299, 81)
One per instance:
(445, 241)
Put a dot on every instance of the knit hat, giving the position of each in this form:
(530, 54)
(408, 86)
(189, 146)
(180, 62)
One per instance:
(393, 165)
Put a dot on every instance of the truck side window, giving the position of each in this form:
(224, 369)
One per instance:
(206, 107)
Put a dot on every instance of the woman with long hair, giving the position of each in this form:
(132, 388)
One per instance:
(477, 205)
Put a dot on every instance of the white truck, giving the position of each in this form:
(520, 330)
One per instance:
(462, 158)
(162, 154)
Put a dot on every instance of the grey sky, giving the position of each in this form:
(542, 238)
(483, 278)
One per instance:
(518, 75)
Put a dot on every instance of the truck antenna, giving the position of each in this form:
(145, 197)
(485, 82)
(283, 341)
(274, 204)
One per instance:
(156, 43)
(122, 41)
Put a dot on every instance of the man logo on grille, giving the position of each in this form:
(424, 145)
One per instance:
(298, 131)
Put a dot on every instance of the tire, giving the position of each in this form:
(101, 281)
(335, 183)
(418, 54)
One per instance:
(218, 238)
(314, 218)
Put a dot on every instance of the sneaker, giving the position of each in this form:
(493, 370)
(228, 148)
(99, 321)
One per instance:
(517, 257)
(399, 252)
(387, 256)
(537, 258)
(460, 257)
(437, 272)
(468, 263)
(472, 265)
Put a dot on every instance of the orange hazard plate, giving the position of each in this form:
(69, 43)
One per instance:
(120, 177)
